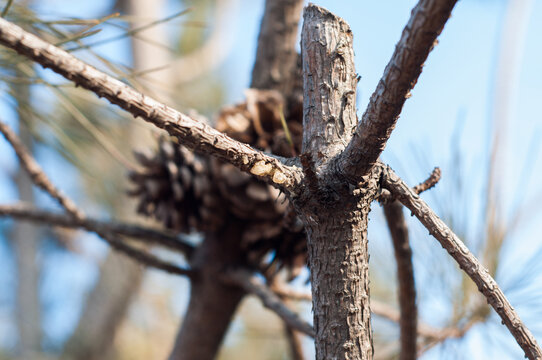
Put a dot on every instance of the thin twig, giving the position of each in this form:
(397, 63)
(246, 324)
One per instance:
(439, 336)
(253, 285)
(147, 235)
(408, 322)
(36, 173)
(39, 177)
(145, 258)
(431, 181)
(405, 66)
(466, 260)
(6, 8)
(192, 133)
(386, 197)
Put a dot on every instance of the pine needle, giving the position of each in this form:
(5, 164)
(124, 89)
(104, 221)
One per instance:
(286, 130)
(6, 8)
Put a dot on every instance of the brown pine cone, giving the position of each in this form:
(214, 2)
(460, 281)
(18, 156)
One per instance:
(176, 188)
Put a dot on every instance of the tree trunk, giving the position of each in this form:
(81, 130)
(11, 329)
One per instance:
(339, 263)
(405, 279)
(335, 213)
(212, 303)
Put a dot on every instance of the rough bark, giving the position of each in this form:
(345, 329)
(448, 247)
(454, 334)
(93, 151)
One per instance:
(405, 278)
(335, 214)
(192, 133)
(212, 302)
(418, 39)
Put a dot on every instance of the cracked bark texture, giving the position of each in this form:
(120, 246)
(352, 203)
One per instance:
(194, 134)
(335, 214)
(401, 74)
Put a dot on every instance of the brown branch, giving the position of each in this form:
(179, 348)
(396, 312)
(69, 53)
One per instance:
(439, 336)
(373, 131)
(408, 322)
(40, 178)
(251, 284)
(276, 58)
(431, 181)
(385, 196)
(329, 84)
(147, 235)
(37, 175)
(143, 257)
(466, 260)
(193, 134)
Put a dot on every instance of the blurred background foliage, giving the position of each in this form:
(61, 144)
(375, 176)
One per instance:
(191, 55)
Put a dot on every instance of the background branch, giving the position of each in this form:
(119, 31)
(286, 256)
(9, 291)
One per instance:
(270, 300)
(466, 260)
(36, 173)
(193, 134)
(167, 239)
(400, 76)
(39, 177)
(405, 278)
(276, 59)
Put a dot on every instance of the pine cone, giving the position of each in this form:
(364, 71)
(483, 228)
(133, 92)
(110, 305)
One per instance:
(258, 122)
(176, 188)
(187, 192)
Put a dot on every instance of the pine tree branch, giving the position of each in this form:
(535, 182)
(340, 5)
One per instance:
(401, 74)
(466, 260)
(430, 182)
(276, 57)
(22, 211)
(39, 177)
(251, 284)
(408, 322)
(193, 134)
(34, 170)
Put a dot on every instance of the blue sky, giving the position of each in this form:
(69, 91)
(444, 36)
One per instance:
(454, 93)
